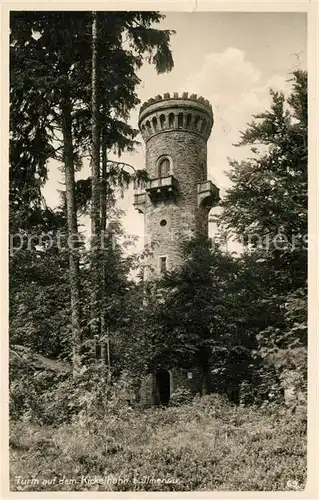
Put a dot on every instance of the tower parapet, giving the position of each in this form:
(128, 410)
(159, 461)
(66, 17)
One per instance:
(164, 114)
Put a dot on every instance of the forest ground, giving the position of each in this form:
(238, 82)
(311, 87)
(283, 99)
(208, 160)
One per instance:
(207, 444)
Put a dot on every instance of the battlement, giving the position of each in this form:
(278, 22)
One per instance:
(176, 112)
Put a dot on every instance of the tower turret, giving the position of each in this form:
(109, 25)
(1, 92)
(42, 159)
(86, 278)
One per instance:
(177, 197)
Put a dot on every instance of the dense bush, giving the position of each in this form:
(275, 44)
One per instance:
(180, 396)
(47, 396)
(95, 441)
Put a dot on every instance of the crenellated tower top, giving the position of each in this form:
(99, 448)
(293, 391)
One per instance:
(188, 113)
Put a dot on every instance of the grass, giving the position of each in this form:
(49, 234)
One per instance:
(205, 445)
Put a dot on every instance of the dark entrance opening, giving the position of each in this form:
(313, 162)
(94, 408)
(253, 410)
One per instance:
(163, 386)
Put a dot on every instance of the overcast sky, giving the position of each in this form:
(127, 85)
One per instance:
(231, 59)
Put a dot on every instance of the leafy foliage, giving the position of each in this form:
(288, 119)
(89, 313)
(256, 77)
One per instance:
(242, 319)
(267, 203)
(267, 209)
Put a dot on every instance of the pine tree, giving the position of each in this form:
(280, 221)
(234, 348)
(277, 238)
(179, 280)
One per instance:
(51, 55)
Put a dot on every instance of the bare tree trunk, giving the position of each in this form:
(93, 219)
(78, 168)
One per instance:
(103, 206)
(95, 200)
(72, 232)
(108, 354)
(103, 190)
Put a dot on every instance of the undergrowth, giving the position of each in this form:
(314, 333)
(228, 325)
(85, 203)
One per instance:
(205, 444)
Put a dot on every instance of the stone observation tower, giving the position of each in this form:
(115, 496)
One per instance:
(177, 197)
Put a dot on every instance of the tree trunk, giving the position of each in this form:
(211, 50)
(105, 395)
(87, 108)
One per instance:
(103, 206)
(95, 200)
(103, 190)
(72, 231)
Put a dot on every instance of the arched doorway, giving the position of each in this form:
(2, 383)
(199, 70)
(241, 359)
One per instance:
(163, 386)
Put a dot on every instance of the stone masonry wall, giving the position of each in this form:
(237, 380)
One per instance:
(187, 150)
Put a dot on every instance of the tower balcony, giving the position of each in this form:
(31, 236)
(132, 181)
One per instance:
(161, 186)
(207, 194)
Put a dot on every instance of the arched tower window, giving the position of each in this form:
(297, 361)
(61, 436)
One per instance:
(154, 121)
(148, 126)
(162, 121)
(196, 122)
(164, 167)
(171, 119)
(180, 120)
